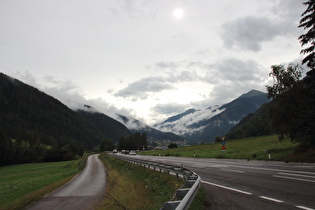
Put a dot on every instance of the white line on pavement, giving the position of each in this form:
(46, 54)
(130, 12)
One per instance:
(228, 188)
(303, 207)
(300, 175)
(286, 177)
(237, 171)
(271, 199)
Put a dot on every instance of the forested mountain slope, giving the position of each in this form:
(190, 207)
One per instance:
(25, 108)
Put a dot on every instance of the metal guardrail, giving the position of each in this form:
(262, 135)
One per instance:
(185, 194)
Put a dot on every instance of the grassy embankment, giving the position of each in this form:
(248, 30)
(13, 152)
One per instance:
(23, 184)
(134, 187)
(255, 148)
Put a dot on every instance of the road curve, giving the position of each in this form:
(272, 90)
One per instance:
(241, 184)
(85, 191)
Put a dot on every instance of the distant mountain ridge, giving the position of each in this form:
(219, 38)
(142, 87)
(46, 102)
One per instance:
(153, 134)
(206, 124)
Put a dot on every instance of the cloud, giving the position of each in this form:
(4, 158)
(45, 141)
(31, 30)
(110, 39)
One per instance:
(187, 123)
(239, 70)
(143, 87)
(169, 108)
(248, 33)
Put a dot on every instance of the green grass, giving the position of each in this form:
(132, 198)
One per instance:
(22, 184)
(255, 148)
(134, 187)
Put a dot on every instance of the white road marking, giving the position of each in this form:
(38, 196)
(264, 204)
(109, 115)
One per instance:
(271, 199)
(237, 171)
(303, 207)
(228, 188)
(300, 175)
(286, 177)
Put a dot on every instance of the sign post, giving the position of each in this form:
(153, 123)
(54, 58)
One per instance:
(223, 145)
(223, 148)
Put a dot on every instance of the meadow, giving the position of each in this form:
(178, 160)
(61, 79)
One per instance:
(254, 148)
(23, 184)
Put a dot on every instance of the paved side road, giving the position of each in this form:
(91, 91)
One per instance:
(85, 191)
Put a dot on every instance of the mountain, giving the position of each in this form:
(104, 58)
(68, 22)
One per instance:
(27, 113)
(107, 126)
(153, 134)
(206, 124)
(254, 124)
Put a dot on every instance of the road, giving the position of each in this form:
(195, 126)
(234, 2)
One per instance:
(85, 191)
(241, 184)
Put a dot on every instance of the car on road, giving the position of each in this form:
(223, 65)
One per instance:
(132, 152)
(115, 151)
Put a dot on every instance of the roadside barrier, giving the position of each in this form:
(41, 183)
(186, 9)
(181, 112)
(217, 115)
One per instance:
(185, 194)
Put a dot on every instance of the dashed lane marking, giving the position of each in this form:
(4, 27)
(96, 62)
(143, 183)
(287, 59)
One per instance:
(303, 207)
(228, 188)
(237, 171)
(293, 178)
(271, 199)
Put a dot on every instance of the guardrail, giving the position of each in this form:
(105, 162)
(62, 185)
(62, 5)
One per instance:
(185, 194)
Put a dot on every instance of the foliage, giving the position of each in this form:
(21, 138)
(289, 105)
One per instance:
(172, 145)
(107, 144)
(292, 110)
(284, 79)
(135, 141)
(22, 184)
(30, 150)
(308, 22)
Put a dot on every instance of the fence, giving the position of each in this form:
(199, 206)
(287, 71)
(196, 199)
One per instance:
(185, 194)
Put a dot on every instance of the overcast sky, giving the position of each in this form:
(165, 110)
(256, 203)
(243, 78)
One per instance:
(149, 58)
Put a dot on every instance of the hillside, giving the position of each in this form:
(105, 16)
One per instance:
(26, 109)
(27, 114)
(107, 126)
(205, 124)
(254, 124)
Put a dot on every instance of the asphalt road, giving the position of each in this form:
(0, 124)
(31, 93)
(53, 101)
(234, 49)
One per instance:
(85, 191)
(241, 184)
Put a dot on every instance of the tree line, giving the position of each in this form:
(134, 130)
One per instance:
(27, 148)
(136, 141)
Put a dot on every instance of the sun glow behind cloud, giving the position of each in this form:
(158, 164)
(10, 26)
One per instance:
(178, 13)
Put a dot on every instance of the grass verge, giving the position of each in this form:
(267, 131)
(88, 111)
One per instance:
(134, 187)
(256, 148)
(23, 184)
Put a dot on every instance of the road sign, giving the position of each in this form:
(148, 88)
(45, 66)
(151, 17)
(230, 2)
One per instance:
(223, 148)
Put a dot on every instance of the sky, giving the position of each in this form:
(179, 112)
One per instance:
(149, 59)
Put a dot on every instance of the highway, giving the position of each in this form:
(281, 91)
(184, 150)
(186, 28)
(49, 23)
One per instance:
(85, 191)
(242, 184)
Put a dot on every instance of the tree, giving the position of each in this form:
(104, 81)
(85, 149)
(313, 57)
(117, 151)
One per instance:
(284, 79)
(292, 109)
(106, 145)
(172, 145)
(308, 23)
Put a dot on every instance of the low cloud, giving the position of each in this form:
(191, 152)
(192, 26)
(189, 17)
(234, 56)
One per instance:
(169, 108)
(142, 88)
